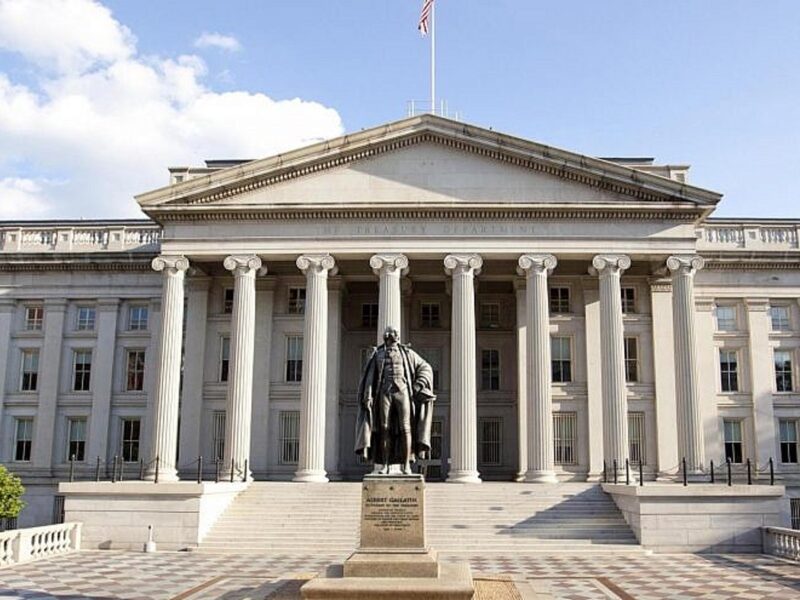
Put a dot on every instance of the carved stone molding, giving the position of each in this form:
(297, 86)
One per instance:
(170, 264)
(455, 264)
(604, 264)
(688, 264)
(537, 263)
(389, 263)
(244, 263)
(317, 263)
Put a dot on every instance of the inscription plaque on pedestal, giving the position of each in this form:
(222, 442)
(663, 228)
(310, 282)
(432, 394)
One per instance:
(393, 513)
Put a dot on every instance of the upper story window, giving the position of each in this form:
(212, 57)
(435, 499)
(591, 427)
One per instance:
(783, 371)
(297, 300)
(137, 318)
(76, 439)
(224, 358)
(29, 380)
(631, 346)
(227, 301)
(779, 315)
(559, 300)
(34, 317)
(86, 317)
(726, 317)
(490, 369)
(369, 314)
(628, 300)
(82, 371)
(490, 315)
(294, 358)
(23, 439)
(789, 440)
(134, 376)
(430, 314)
(130, 432)
(729, 370)
(734, 443)
(561, 359)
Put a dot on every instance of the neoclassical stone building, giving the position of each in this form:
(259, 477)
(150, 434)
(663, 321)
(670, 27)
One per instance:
(578, 312)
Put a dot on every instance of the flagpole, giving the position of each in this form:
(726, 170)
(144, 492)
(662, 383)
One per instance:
(433, 57)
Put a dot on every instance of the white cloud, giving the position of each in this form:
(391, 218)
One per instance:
(108, 121)
(218, 40)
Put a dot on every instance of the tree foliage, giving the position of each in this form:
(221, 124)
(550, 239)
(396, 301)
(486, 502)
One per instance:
(11, 491)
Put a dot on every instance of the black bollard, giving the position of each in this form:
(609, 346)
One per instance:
(615, 471)
(155, 479)
(712, 472)
(200, 469)
(141, 469)
(771, 472)
(97, 470)
(114, 470)
(728, 464)
(641, 473)
(231, 469)
(605, 471)
(685, 476)
(244, 475)
(216, 471)
(72, 468)
(749, 473)
(121, 468)
(627, 472)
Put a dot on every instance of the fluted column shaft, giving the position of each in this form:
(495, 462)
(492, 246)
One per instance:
(540, 404)
(167, 389)
(389, 268)
(239, 400)
(690, 424)
(609, 268)
(311, 463)
(463, 382)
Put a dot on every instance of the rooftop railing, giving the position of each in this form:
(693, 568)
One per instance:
(55, 238)
(748, 236)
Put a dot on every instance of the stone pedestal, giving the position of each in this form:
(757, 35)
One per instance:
(392, 560)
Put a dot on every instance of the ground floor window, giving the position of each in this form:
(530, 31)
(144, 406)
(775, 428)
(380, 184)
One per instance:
(130, 432)
(565, 430)
(290, 436)
(76, 439)
(294, 358)
(490, 430)
(58, 509)
(218, 424)
(636, 445)
(788, 437)
(734, 446)
(795, 508)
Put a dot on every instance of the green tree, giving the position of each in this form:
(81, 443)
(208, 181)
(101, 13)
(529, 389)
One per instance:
(11, 491)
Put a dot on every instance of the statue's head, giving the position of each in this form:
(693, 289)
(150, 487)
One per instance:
(390, 335)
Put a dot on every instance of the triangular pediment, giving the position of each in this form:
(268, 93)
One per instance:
(425, 162)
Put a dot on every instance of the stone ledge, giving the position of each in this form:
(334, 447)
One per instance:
(706, 490)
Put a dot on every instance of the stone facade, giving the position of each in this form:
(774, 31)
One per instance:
(577, 312)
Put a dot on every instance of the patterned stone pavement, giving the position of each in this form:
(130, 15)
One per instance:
(186, 576)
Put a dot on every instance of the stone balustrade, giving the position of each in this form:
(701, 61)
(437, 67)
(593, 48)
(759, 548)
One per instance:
(731, 235)
(783, 542)
(23, 545)
(124, 236)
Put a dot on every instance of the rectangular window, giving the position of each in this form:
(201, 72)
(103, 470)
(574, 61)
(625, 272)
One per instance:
(76, 439)
(86, 318)
(82, 371)
(636, 440)
(23, 439)
(490, 315)
(294, 358)
(227, 301)
(565, 432)
(130, 432)
(561, 359)
(794, 507)
(29, 381)
(218, 424)
(34, 318)
(783, 371)
(134, 378)
(137, 318)
(490, 369)
(734, 446)
(779, 315)
(631, 359)
(729, 371)
(290, 436)
(430, 315)
(788, 437)
(297, 300)
(559, 300)
(628, 300)
(491, 440)
(726, 318)
(224, 358)
(369, 314)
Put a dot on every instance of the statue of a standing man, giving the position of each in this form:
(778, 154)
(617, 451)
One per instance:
(395, 405)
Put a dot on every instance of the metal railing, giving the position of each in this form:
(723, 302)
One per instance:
(734, 472)
(783, 542)
(122, 470)
(33, 543)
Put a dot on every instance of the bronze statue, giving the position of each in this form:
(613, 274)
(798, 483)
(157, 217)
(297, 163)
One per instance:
(395, 405)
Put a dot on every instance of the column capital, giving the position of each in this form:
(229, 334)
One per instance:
(532, 264)
(604, 264)
(317, 263)
(172, 264)
(389, 263)
(241, 264)
(455, 264)
(687, 264)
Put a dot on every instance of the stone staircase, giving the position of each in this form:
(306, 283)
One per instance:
(491, 518)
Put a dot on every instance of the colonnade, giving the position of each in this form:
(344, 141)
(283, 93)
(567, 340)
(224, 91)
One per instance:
(462, 268)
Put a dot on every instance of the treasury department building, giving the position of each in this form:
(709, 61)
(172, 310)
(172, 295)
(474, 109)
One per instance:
(578, 313)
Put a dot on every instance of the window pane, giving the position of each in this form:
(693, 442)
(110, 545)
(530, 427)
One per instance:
(86, 318)
(636, 437)
(726, 318)
(219, 434)
(628, 300)
(131, 429)
(783, 371)
(369, 314)
(780, 318)
(29, 381)
(224, 358)
(565, 427)
(297, 300)
(227, 300)
(135, 371)
(294, 358)
(82, 371)
(490, 369)
(559, 300)
(76, 439)
(34, 317)
(631, 347)
(490, 431)
(23, 440)
(137, 318)
(290, 436)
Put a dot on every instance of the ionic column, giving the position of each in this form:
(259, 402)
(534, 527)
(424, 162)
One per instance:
(168, 363)
(389, 267)
(522, 379)
(609, 268)
(311, 463)
(239, 401)
(690, 422)
(463, 379)
(540, 405)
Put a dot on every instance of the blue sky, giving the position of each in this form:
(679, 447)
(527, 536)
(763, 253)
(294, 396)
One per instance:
(713, 83)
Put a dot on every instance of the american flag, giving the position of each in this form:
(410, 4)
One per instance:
(425, 16)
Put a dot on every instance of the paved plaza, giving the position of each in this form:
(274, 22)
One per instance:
(107, 575)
